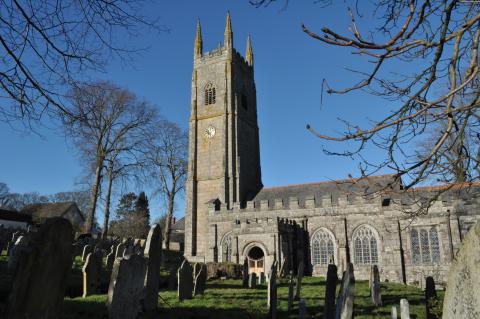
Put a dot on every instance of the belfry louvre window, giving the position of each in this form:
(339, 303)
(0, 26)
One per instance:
(365, 246)
(209, 94)
(227, 248)
(322, 247)
(425, 245)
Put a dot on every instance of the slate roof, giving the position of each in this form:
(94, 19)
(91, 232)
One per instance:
(6, 214)
(179, 225)
(47, 210)
(335, 188)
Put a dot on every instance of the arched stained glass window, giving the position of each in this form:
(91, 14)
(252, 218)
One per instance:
(322, 247)
(425, 245)
(210, 94)
(365, 246)
(227, 248)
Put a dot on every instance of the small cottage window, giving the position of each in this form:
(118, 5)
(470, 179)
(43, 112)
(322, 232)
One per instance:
(209, 94)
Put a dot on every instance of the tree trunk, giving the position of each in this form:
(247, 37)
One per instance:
(106, 218)
(168, 222)
(93, 201)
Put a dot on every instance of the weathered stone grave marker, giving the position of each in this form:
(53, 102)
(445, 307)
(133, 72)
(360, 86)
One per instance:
(185, 281)
(120, 250)
(252, 280)
(394, 312)
(39, 285)
(126, 289)
(302, 309)
(87, 249)
(245, 274)
(298, 287)
(344, 305)
(375, 286)
(330, 289)
(200, 281)
(290, 291)
(153, 252)
(21, 245)
(272, 291)
(404, 309)
(430, 298)
(92, 271)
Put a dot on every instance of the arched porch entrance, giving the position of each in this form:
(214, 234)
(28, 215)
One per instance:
(256, 260)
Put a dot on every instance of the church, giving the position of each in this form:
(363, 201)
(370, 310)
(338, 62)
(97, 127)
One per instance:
(231, 217)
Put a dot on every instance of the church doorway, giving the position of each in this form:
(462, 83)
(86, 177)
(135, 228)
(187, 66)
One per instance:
(256, 260)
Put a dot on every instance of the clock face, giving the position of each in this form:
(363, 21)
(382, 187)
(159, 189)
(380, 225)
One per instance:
(210, 131)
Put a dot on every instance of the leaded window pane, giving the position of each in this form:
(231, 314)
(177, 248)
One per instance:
(424, 246)
(331, 254)
(366, 250)
(415, 247)
(358, 251)
(373, 250)
(435, 249)
(322, 247)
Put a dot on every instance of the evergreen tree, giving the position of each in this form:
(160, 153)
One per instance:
(143, 213)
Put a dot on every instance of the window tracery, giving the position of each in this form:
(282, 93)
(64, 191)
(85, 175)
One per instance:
(210, 94)
(365, 246)
(322, 247)
(425, 245)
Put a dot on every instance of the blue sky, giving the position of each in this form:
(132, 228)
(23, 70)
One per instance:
(289, 69)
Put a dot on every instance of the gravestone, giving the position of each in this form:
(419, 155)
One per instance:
(252, 280)
(261, 278)
(21, 246)
(153, 252)
(196, 270)
(344, 305)
(290, 291)
(375, 287)
(92, 271)
(245, 274)
(302, 309)
(39, 284)
(462, 298)
(87, 249)
(394, 312)
(126, 289)
(120, 250)
(404, 309)
(430, 298)
(110, 261)
(172, 278)
(185, 281)
(200, 281)
(272, 291)
(298, 287)
(330, 289)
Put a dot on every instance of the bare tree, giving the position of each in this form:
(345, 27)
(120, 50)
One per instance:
(441, 39)
(167, 155)
(47, 46)
(108, 121)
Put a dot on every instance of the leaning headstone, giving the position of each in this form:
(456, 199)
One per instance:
(92, 271)
(330, 289)
(430, 298)
(110, 261)
(302, 309)
(185, 281)
(404, 309)
(344, 306)
(87, 249)
(252, 280)
(290, 291)
(200, 281)
(120, 250)
(462, 298)
(375, 287)
(39, 285)
(196, 270)
(245, 274)
(272, 291)
(20, 246)
(126, 289)
(394, 312)
(298, 287)
(261, 278)
(153, 252)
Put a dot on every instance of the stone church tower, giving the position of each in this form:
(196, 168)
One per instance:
(224, 155)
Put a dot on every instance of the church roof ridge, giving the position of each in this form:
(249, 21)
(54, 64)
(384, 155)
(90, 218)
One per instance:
(346, 180)
(444, 186)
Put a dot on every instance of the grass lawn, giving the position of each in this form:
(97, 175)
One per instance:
(226, 299)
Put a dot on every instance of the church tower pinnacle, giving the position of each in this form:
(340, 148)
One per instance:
(249, 52)
(228, 35)
(198, 47)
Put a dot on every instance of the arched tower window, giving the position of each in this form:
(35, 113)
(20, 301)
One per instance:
(425, 245)
(209, 94)
(227, 248)
(322, 247)
(365, 245)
